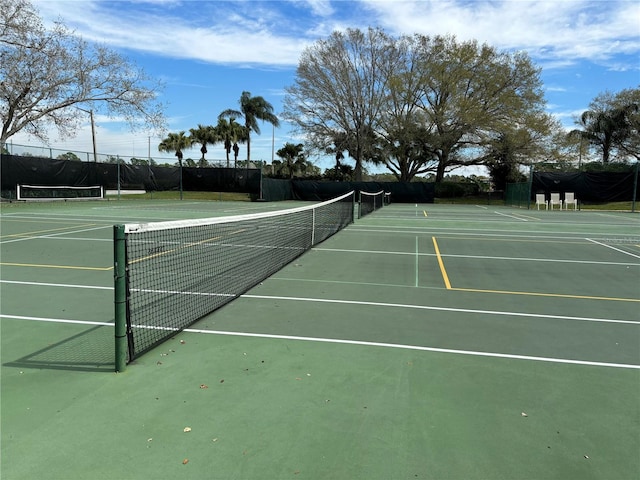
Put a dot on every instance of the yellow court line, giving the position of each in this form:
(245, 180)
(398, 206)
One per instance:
(445, 277)
(37, 232)
(67, 267)
(166, 252)
(425, 213)
(507, 292)
(557, 295)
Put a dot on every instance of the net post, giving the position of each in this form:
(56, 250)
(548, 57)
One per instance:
(120, 297)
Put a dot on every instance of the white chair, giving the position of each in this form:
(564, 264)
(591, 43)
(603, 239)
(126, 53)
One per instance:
(570, 198)
(555, 200)
(541, 201)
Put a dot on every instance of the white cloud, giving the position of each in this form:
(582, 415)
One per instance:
(548, 30)
(275, 33)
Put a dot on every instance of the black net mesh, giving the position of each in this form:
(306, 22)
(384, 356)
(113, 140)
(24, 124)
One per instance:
(35, 192)
(178, 272)
(370, 202)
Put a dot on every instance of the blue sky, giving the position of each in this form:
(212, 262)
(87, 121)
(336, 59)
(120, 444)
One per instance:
(208, 52)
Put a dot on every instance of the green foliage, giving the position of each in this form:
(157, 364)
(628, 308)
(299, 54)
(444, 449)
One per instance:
(611, 125)
(416, 104)
(176, 142)
(339, 173)
(204, 135)
(69, 156)
(252, 109)
(231, 133)
(142, 161)
(455, 189)
(607, 167)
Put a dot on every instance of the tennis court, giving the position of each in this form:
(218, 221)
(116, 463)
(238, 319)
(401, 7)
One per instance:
(420, 342)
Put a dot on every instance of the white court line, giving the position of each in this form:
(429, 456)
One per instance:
(65, 285)
(480, 257)
(56, 320)
(442, 309)
(360, 343)
(35, 237)
(511, 216)
(356, 302)
(613, 248)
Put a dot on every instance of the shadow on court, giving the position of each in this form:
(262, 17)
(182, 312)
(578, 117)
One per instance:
(88, 351)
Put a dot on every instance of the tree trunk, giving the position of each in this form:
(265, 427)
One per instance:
(442, 162)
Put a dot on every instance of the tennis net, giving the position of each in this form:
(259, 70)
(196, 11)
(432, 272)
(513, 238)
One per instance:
(370, 202)
(65, 192)
(171, 274)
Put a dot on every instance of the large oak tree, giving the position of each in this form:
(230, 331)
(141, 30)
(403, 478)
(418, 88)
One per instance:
(48, 74)
(413, 103)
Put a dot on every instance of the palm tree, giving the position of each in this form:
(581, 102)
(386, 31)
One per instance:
(293, 158)
(230, 132)
(204, 135)
(605, 129)
(176, 142)
(252, 109)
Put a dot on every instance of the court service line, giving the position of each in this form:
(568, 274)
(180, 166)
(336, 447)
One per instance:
(62, 267)
(64, 285)
(481, 257)
(56, 320)
(442, 309)
(358, 302)
(417, 347)
(613, 248)
(510, 216)
(49, 230)
(38, 237)
(356, 342)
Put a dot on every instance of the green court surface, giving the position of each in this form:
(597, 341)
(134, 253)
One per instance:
(421, 342)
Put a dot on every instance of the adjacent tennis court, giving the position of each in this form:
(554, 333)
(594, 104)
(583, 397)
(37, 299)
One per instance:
(421, 341)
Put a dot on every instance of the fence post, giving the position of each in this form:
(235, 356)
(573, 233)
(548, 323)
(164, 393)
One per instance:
(530, 186)
(635, 189)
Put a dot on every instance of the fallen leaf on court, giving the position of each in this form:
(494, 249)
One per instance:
(149, 439)
(215, 439)
(524, 414)
(182, 342)
(203, 386)
(185, 461)
(222, 381)
(187, 429)
(587, 457)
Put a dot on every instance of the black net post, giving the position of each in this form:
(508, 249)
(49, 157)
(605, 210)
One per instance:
(120, 296)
